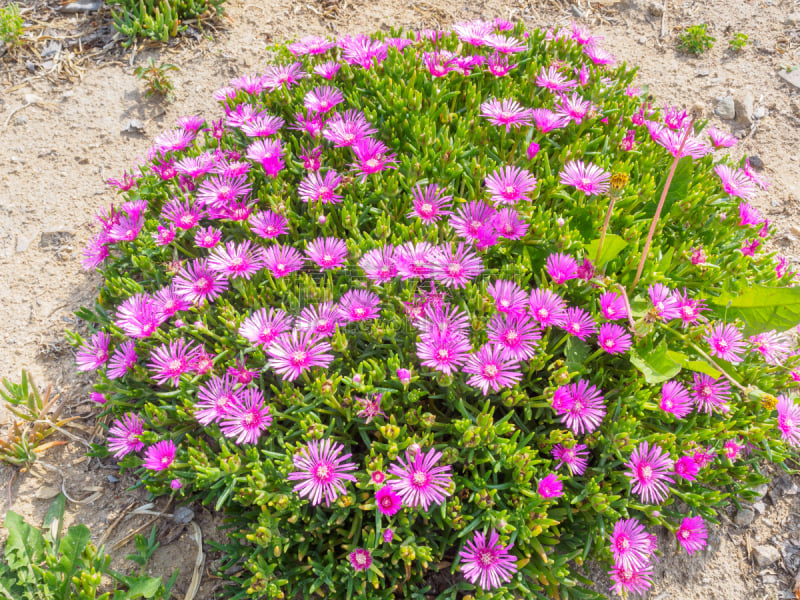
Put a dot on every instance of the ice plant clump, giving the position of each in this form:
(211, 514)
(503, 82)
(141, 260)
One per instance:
(403, 309)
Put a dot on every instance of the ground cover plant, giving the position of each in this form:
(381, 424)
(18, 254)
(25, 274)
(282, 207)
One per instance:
(443, 313)
(159, 19)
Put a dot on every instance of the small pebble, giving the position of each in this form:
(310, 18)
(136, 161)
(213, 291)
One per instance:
(757, 163)
(183, 515)
(766, 555)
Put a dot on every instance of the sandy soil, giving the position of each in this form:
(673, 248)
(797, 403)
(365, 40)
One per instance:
(58, 151)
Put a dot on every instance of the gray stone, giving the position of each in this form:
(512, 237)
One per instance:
(701, 72)
(55, 239)
(576, 10)
(31, 98)
(744, 516)
(791, 77)
(183, 515)
(743, 105)
(793, 19)
(759, 112)
(133, 126)
(24, 241)
(766, 555)
(761, 489)
(757, 163)
(20, 120)
(726, 109)
(759, 507)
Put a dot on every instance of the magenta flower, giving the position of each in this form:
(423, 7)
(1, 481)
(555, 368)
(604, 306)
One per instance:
(138, 316)
(323, 98)
(380, 264)
(509, 298)
(735, 182)
(709, 394)
(314, 188)
(370, 407)
(389, 501)
(293, 353)
(216, 399)
(686, 467)
(547, 308)
(322, 470)
(360, 559)
(310, 123)
(388, 535)
(554, 81)
(221, 191)
(269, 153)
(588, 178)
(688, 308)
(169, 362)
(327, 253)
(430, 203)
(440, 63)
(489, 368)
(262, 126)
(443, 352)
(127, 229)
(731, 449)
(122, 360)
(506, 112)
(487, 563)
(160, 456)
(510, 185)
(359, 305)
(327, 70)
(246, 419)
(169, 302)
(473, 220)
(372, 156)
(574, 458)
(95, 252)
(635, 580)
(692, 534)
(267, 224)
(614, 339)
(262, 327)
(561, 267)
(347, 128)
(720, 139)
(613, 306)
(550, 486)
(580, 406)
(546, 120)
(94, 354)
(197, 282)
(630, 544)
(281, 260)
(443, 319)
(172, 140)
(788, 420)
(415, 259)
(726, 342)
(182, 214)
(123, 435)
(236, 260)
(321, 319)
(498, 65)
(363, 51)
(283, 75)
(311, 45)
(749, 215)
(573, 108)
(649, 469)
(419, 481)
(207, 237)
(508, 224)
(675, 399)
(473, 32)
(455, 266)
(664, 302)
(579, 323)
(505, 44)
(773, 346)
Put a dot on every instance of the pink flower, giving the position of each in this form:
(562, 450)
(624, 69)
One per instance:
(311, 45)
(182, 214)
(508, 297)
(487, 563)
(220, 191)
(160, 456)
(547, 308)
(692, 534)
(554, 81)
(546, 120)
(388, 535)
(347, 128)
(443, 351)
(630, 544)
(216, 399)
(360, 559)
(455, 266)
(197, 282)
(262, 327)
(613, 306)
(580, 406)
(731, 449)
(267, 224)
(489, 368)
(720, 139)
(379, 264)
(510, 185)
(283, 75)
(315, 188)
(574, 458)
(372, 156)
(269, 153)
(247, 419)
(588, 178)
(573, 108)
(323, 98)
(649, 469)
(123, 435)
(207, 237)
(293, 353)
(498, 65)
(94, 354)
(122, 360)
(322, 470)
(320, 319)
(358, 305)
(168, 363)
(632, 580)
(675, 399)
(506, 112)
(281, 260)
(726, 342)
(327, 253)
(550, 486)
(709, 394)
(508, 224)
(614, 339)
(328, 69)
(415, 259)
(430, 204)
(562, 268)
(236, 260)
(579, 323)
(664, 302)
(773, 346)
(389, 501)
(473, 220)
(789, 420)
(687, 468)
(735, 182)
(419, 481)
(688, 308)
(378, 477)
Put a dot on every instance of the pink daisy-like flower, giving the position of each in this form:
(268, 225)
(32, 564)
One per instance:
(709, 394)
(262, 327)
(649, 470)
(281, 260)
(419, 481)
(455, 266)
(182, 214)
(195, 166)
(127, 229)
(160, 456)
(379, 264)
(360, 559)
(631, 581)
(499, 66)
(370, 407)
(731, 449)
(311, 45)
(686, 467)
(123, 435)
(473, 219)
(269, 153)
(749, 215)
(283, 75)
(588, 178)
(630, 544)
(735, 182)
(323, 98)
(598, 55)
(267, 224)
(720, 139)
(487, 563)
(347, 128)
(327, 253)
(327, 70)
(675, 399)
(359, 305)
(546, 120)
(614, 339)
(322, 470)
(247, 419)
(196, 282)
(554, 81)
(664, 302)
(580, 406)
(547, 308)
(93, 354)
(321, 319)
(169, 302)
(508, 224)
(363, 51)
(236, 260)
(169, 362)
(788, 420)
(562, 268)
(573, 108)
(220, 191)
(262, 126)
(216, 398)
(388, 535)
(505, 44)
(726, 342)
(315, 188)
(95, 252)
(377, 477)
(574, 458)
(703, 457)
(749, 247)
(415, 259)
(293, 353)
(252, 84)
(172, 140)
(430, 203)
(613, 306)
(692, 534)
(372, 156)
(510, 185)
(489, 368)
(506, 112)
(191, 123)
(122, 360)
(753, 176)
(388, 501)
(310, 123)
(207, 237)
(579, 323)
(138, 316)
(550, 486)
(773, 346)
(473, 32)
(508, 297)
(440, 63)
(515, 336)
(688, 308)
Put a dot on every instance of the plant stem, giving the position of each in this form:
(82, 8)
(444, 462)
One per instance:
(605, 227)
(652, 231)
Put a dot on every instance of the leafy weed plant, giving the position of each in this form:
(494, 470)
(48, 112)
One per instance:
(11, 24)
(738, 42)
(156, 78)
(696, 39)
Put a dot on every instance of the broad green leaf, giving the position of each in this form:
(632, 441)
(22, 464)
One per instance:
(679, 187)
(25, 544)
(576, 353)
(71, 547)
(142, 587)
(702, 366)
(762, 308)
(612, 246)
(54, 519)
(656, 366)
